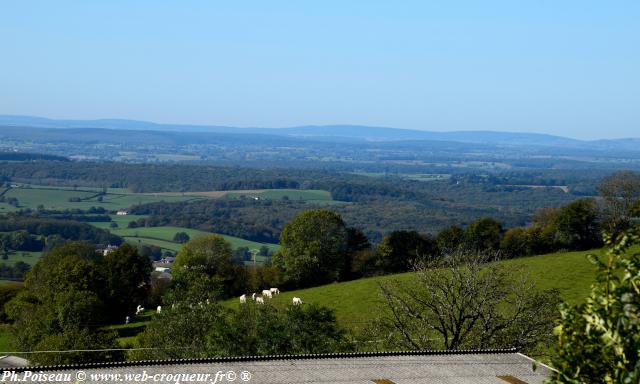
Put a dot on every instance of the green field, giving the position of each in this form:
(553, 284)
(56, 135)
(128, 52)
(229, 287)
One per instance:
(57, 198)
(28, 257)
(127, 332)
(357, 302)
(163, 236)
(278, 194)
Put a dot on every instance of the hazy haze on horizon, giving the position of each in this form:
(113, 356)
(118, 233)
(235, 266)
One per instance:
(565, 68)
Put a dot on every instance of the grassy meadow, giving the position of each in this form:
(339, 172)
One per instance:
(58, 198)
(356, 302)
(27, 257)
(163, 236)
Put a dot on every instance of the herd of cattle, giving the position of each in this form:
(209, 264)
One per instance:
(268, 293)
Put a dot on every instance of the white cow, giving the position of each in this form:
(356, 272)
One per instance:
(243, 299)
(267, 293)
(159, 309)
(275, 291)
(297, 301)
(259, 300)
(139, 310)
(127, 320)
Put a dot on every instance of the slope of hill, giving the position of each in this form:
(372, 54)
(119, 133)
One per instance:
(357, 302)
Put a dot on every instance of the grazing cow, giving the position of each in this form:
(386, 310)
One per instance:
(275, 291)
(158, 310)
(243, 299)
(267, 293)
(297, 301)
(259, 300)
(139, 310)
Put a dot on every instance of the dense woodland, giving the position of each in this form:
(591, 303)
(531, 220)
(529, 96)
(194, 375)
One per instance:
(377, 205)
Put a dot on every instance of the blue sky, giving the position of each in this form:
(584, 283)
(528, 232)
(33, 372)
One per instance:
(561, 67)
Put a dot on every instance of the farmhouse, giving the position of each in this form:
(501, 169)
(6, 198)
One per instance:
(108, 249)
(442, 367)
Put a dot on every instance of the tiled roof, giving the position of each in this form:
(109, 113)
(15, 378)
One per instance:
(437, 367)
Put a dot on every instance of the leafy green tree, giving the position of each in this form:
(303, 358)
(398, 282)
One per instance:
(208, 253)
(127, 275)
(484, 235)
(7, 292)
(599, 340)
(577, 225)
(269, 330)
(181, 329)
(63, 306)
(357, 244)
(515, 242)
(212, 255)
(78, 339)
(264, 251)
(400, 250)
(314, 248)
(181, 237)
(450, 239)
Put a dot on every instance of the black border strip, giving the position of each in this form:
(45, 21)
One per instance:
(233, 359)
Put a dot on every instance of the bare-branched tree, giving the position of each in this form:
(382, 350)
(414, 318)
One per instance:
(620, 193)
(466, 302)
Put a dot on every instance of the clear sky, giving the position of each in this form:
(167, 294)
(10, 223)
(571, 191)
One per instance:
(564, 67)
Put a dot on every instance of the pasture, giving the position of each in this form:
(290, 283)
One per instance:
(357, 302)
(310, 195)
(27, 257)
(163, 236)
(61, 198)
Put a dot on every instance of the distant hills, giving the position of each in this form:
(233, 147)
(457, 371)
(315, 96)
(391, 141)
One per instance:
(332, 132)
